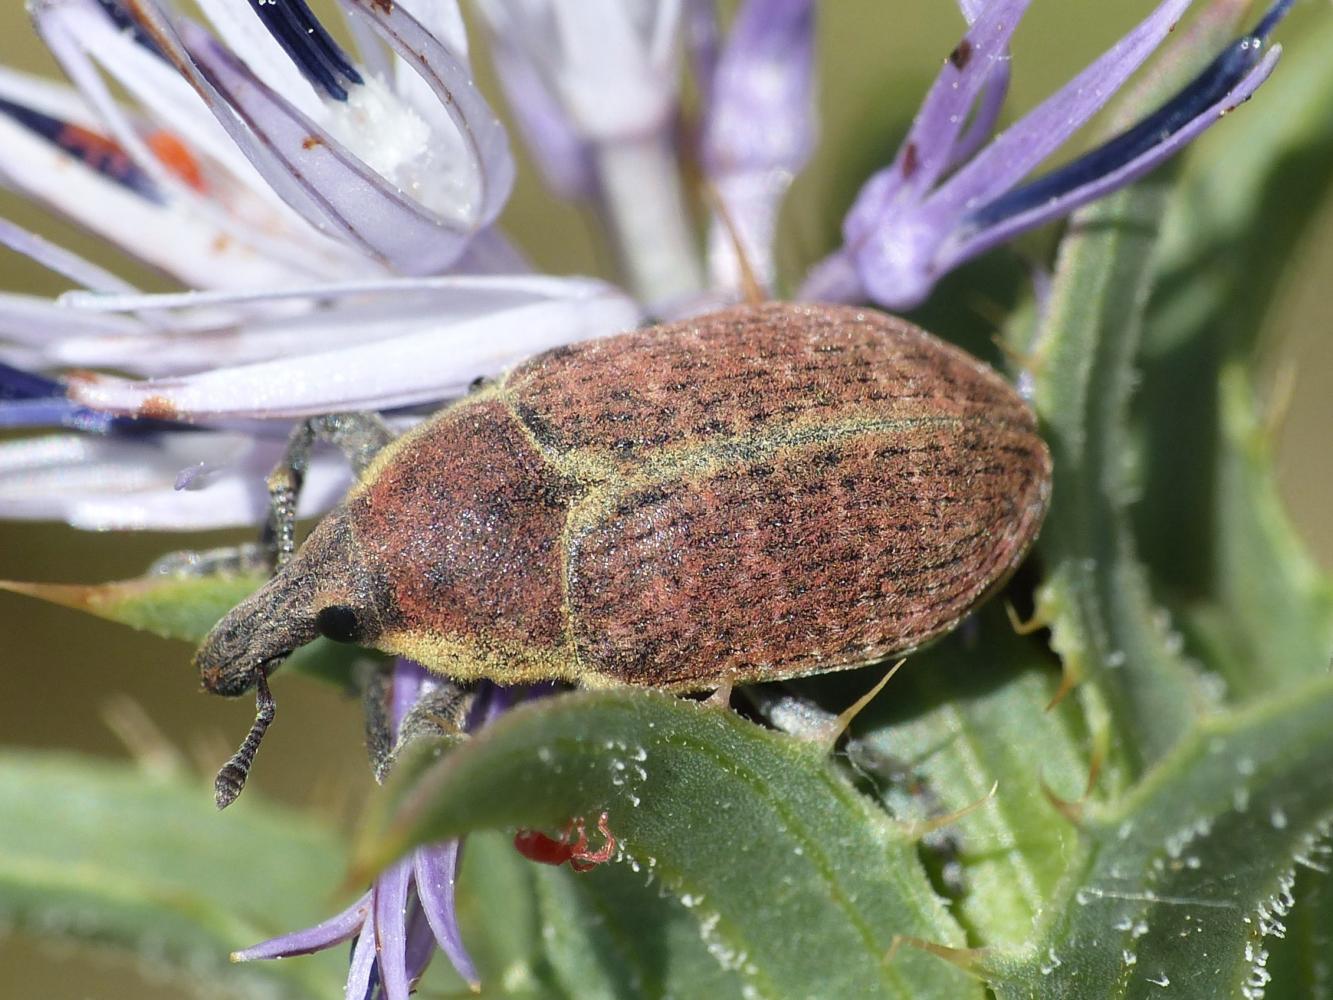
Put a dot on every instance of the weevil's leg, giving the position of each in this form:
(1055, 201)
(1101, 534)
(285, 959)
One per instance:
(231, 779)
(359, 436)
(441, 712)
(376, 700)
(249, 557)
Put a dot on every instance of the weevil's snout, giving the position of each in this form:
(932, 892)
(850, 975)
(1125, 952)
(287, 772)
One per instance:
(324, 590)
(255, 636)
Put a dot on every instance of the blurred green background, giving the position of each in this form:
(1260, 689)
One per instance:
(64, 675)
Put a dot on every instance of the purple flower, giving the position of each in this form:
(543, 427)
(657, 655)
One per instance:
(939, 205)
(290, 293)
(594, 86)
(759, 130)
(409, 911)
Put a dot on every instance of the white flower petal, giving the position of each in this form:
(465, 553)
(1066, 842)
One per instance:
(42, 324)
(119, 483)
(63, 262)
(449, 76)
(237, 200)
(411, 369)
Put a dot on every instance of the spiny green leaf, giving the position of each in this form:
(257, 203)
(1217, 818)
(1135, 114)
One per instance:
(968, 716)
(1183, 882)
(183, 607)
(1104, 620)
(797, 882)
(111, 854)
(1210, 520)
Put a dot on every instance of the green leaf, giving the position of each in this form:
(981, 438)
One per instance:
(797, 882)
(967, 717)
(184, 607)
(1210, 520)
(1104, 621)
(112, 854)
(1187, 880)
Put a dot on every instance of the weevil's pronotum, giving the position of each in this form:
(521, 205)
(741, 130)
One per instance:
(757, 494)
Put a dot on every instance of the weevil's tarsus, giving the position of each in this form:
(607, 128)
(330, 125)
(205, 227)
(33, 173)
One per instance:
(231, 779)
(359, 436)
(442, 710)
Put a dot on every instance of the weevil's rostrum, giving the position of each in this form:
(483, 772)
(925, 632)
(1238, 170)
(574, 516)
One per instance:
(756, 494)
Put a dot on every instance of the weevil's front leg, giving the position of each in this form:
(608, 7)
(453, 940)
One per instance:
(359, 436)
(441, 711)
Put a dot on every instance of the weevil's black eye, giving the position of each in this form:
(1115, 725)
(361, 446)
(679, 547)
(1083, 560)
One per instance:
(338, 622)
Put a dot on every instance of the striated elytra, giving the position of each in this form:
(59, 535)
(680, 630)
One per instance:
(756, 494)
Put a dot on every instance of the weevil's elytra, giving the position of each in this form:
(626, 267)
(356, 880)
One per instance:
(758, 494)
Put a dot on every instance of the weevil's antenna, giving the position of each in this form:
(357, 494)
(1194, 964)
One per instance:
(231, 779)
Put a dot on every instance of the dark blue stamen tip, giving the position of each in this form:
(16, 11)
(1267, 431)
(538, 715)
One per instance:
(309, 46)
(92, 149)
(31, 400)
(1208, 88)
(1270, 20)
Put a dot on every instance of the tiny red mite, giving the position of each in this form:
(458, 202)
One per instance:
(761, 493)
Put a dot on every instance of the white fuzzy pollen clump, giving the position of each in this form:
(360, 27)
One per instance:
(392, 138)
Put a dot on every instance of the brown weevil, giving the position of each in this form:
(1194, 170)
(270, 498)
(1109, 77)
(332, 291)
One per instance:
(757, 494)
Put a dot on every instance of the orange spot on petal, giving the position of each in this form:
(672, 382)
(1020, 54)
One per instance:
(177, 158)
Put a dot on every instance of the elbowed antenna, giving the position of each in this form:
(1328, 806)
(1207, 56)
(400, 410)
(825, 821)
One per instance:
(231, 778)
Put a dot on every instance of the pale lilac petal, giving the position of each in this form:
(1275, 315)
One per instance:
(616, 73)
(979, 241)
(759, 130)
(42, 324)
(420, 946)
(211, 330)
(390, 903)
(363, 963)
(928, 149)
(463, 294)
(436, 872)
(326, 934)
(450, 77)
(118, 483)
(179, 243)
(762, 112)
(833, 279)
(407, 370)
(561, 153)
(986, 113)
(1043, 130)
(353, 201)
(243, 209)
(59, 100)
(63, 262)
